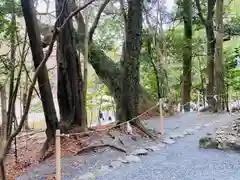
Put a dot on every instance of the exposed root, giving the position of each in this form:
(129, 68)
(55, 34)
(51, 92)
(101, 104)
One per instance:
(100, 146)
(139, 126)
(3, 172)
(42, 154)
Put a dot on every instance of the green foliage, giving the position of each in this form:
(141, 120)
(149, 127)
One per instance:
(232, 74)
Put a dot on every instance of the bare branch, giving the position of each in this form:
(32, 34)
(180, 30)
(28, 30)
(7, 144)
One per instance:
(95, 23)
(199, 9)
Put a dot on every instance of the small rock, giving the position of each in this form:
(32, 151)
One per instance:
(122, 160)
(231, 139)
(168, 141)
(115, 164)
(139, 152)
(132, 158)
(198, 127)
(103, 170)
(189, 132)
(156, 147)
(209, 134)
(87, 176)
(176, 136)
(207, 125)
(208, 143)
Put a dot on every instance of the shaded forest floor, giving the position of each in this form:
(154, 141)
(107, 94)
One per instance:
(30, 143)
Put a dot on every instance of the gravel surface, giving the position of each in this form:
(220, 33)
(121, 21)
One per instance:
(183, 160)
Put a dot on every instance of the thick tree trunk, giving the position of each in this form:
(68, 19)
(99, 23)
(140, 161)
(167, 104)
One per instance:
(43, 80)
(219, 77)
(70, 82)
(130, 64)
(210, 53)
(187, 54)
(208, 23)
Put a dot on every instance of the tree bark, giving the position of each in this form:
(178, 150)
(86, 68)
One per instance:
(70, 81)
(130, 64)
(208, 23)
(219, 72)
(187, 54)
(3, 110)
(43, 80)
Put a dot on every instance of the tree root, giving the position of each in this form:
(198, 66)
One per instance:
(3, 172)
(139, 126)
(100, 146)
(47, 144)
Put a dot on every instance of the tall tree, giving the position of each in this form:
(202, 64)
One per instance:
(130, 64)
(187, 54)
(43, 80)
(70, 81)
(219, 71)
(208, 24)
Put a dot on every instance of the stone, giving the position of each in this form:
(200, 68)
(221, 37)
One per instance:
(208, 143)
(189, 132)
(131, 158)
(156, 147)
(198, 127)
(176, 136)
(86, 176)
(122, 160)
(168, 141)
(103, 170)
(231, 139)
(139, 152)
(207, 125)
(115, 164)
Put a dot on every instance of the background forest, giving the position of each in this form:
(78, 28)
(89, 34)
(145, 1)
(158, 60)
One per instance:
(115, 56)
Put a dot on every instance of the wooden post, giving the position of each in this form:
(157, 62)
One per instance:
(198, 103)
(58, 155)
(161, 118)
(183, 109)
(229, 102)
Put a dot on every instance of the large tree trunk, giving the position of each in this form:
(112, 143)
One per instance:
(210, 54)
(219, 77)
(130, 64)
(208, 23)
(187, 54)
(70, 82)
(43, 80)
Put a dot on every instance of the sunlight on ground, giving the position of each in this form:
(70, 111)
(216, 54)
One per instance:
(40, 124)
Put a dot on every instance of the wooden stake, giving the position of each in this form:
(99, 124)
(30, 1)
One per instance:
(161, 118)
(58, 155)
(198, 103)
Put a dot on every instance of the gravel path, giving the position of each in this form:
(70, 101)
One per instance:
(183, 160)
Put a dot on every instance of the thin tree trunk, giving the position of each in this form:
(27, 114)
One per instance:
(187, 54)
(11, 101)
(43, 80)
(3, 111)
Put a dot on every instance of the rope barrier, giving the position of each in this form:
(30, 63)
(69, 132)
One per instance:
(117, 125)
